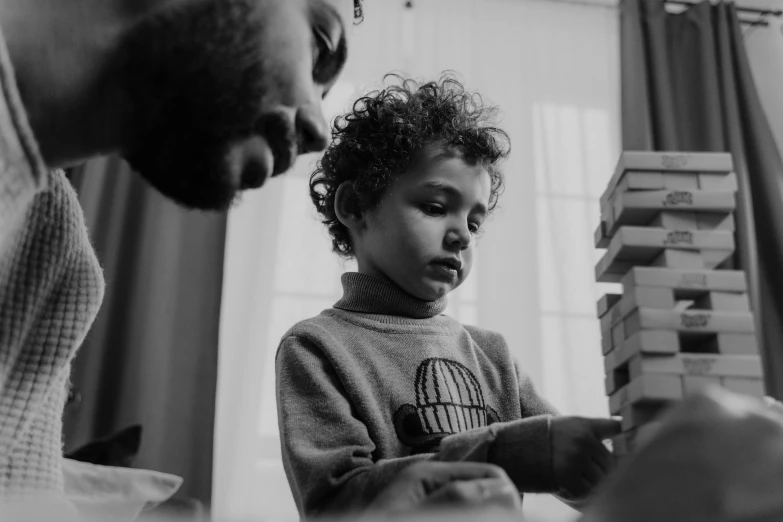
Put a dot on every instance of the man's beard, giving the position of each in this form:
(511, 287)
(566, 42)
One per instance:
(194, 81)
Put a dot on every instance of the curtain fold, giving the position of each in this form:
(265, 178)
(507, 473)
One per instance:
(687, 79)
(151, 356)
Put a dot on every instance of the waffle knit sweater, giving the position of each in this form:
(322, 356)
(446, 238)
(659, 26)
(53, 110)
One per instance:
(382, 380)
(50, 289)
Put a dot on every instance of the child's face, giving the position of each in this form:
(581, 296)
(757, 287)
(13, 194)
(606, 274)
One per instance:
(422, 234)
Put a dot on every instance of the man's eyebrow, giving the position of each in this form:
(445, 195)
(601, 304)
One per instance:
(451, 190)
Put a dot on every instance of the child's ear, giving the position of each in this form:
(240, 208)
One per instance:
(346, 208)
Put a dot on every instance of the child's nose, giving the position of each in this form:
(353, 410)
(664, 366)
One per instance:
(459, 236)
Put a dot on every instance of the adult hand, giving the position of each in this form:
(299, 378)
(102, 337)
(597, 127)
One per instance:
(579, 458)
(716, 457)
(774, 404)
(428, 485)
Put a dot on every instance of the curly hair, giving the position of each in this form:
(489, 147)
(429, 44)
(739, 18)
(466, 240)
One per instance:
(380, 136)
(358, 12)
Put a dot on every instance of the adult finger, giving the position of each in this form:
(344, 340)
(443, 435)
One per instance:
(605, 428)
(436, 474)
(486, 492)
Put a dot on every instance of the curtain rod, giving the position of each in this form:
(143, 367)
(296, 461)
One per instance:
(755, 10)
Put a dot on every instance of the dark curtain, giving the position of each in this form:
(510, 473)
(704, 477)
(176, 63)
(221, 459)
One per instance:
(151, 356)
(687, 85)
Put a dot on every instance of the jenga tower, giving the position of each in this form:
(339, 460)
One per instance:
(667, 224)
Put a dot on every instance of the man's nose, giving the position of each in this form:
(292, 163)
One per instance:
(311, 129)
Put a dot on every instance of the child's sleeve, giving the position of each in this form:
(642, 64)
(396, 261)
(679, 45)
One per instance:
(521, 447)
(327, 451)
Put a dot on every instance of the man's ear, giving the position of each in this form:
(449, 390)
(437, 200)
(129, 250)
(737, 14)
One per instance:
(346, 207)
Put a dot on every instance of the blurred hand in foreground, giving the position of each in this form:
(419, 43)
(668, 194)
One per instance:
(716, 457)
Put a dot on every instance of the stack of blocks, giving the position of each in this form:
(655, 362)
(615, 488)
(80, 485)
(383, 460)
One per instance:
(667, 224)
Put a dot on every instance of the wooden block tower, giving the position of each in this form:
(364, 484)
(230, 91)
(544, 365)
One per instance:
(681, 322)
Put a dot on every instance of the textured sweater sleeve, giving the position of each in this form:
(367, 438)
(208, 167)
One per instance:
(521, 447)
(327, 451)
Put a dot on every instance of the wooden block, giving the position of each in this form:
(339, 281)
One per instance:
(718, 280)
(752, 387)
(641, 180)
(614, 381)
(657, 342)
(695, 383)
(636, 297)
(609, 386)
(639, 208)
(600, 237)
(640, 242)
(681, 180)
(735, 344)
(723, 301)
(714, 258)
(635, 415)
(672, 220)
(618, 333)
(720, 162)
(607, 302)
(695, 364)
(713, 221)
(641, 245)
(690, 259)
(609, 270)
(647, 388)
(700, 321)
(685, 200)
(676, 161)
(606, 344)
(718, 181)
(680, 259)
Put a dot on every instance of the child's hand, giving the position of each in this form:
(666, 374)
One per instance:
(579, 458)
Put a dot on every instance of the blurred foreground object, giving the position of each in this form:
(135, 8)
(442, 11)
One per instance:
(717, 456)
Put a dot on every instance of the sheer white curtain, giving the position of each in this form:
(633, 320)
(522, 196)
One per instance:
(554, 70)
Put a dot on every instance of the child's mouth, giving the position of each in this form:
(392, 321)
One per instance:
(445, 271)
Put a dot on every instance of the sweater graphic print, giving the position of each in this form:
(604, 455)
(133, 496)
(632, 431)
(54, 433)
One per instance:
(449, 400)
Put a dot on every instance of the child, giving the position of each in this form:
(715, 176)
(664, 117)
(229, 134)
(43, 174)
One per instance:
(383, 379)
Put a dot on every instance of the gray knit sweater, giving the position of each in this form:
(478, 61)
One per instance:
(381, 380)
(51, 287)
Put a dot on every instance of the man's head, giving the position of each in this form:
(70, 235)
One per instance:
(223, 94)
(203, 97)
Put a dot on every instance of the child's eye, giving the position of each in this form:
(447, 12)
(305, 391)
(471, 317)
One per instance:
(433, 209)
(474, 228)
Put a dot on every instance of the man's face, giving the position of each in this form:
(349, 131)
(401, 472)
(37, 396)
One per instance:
(224, 94)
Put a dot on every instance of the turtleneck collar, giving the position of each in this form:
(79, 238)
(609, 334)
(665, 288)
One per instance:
(368, 294)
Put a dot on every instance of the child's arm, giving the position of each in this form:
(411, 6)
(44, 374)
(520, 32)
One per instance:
(327, 451)
(522, 447)
(543, 452)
